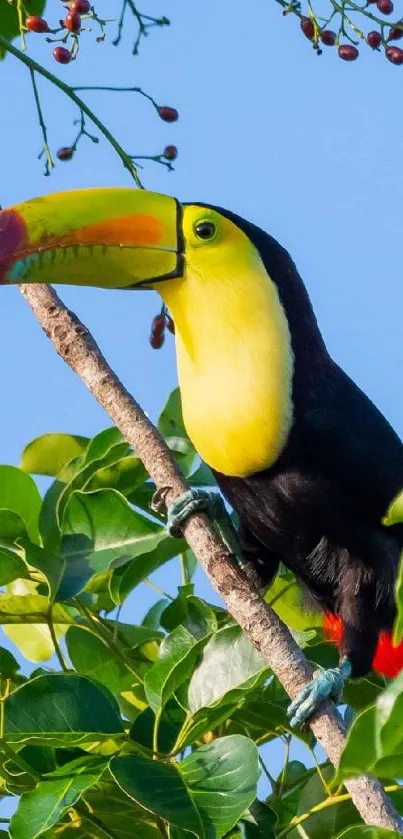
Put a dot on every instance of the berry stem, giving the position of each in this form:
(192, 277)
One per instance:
(49, 164)
(21, 19)
(70, 93)
(118, 90)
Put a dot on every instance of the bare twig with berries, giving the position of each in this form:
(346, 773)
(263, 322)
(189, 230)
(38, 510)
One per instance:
(315, 28)
(70, 93)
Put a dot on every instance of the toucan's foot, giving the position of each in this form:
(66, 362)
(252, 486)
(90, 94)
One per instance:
(326, 685)
(200, 500)
(192, 501)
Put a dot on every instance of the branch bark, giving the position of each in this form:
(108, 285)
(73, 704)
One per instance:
(270, 636)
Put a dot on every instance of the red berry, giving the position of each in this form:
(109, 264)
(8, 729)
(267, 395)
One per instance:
(347, 52)
(82, 7)
(308, 28)
(167, 114)
(374, 39)
(157, 341)
(394, 54)
(158, 326)
(170, 325)
(65, 153)
(73, 22)
(170, 152)
(328, 37)
(36, 24)
(385, 6)
(395, 34)
(62, 55)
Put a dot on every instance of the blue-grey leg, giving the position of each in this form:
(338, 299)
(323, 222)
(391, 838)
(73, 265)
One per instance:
(200, 500)
(326, 685)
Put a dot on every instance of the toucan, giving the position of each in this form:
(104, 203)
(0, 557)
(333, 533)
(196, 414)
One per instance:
(308, 463)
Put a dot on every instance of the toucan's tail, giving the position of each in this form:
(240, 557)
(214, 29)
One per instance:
(388, 659)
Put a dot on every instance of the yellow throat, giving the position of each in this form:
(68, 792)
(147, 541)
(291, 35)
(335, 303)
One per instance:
(235, 361)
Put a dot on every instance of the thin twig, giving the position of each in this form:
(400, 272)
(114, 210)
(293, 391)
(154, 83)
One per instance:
(49, 164)
(270, 636)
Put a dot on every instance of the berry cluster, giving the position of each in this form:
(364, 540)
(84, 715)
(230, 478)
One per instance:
(374, 39)
(159, 324)
(71, 25)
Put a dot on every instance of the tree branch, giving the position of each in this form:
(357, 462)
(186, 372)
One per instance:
(270, 636)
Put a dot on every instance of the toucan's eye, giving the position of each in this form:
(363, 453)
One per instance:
(205, 230)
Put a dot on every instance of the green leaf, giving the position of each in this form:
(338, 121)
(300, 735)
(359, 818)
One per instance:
(91, 657)
(394, 513)
(61, 709)
(19, 493)
(12, 567)
(48, 523)
(152, 619)
(48, 454)
(229, 662)
(389, 719)
(367, 831)
(172, 428)
(202, 477)
(177, 657)
(104, 450)
(9, 25)
(206, 793)
(119, 815)
(126, 476)
(50, 565)
(12, 526)
(359, 752)
(42, 807)
(176, 612)
(8, 664)
(398, 629)
(132, 635)
(284, 595)
(259, 822)
(100, 529)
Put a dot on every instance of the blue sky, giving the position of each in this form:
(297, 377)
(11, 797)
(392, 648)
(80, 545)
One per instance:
(307, 147)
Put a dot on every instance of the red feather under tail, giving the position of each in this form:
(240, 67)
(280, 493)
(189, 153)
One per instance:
(388, 660)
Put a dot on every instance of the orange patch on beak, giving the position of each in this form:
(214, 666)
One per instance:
(135, 230)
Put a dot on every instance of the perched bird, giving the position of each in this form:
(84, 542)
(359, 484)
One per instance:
(303, 456)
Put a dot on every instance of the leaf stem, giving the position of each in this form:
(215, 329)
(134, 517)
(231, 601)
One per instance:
(70, 93)
(287, 741)
(184, 571)
(157, 721)
(59, 654)
(331, 801)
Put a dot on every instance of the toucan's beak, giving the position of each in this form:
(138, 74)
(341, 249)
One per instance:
(107, 238)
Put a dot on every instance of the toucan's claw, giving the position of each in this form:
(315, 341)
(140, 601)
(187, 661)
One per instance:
(326, 685)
